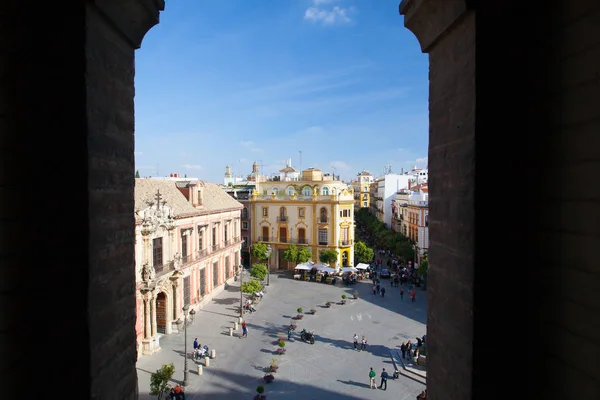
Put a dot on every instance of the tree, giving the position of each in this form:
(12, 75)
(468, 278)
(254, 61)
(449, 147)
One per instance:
(291, 254)
(251, 286)
(259, 271)
(362, 253)
(304, 254)
(329, 256)
(423, 267)
(159, 381)
(259, 251)
(137, 173)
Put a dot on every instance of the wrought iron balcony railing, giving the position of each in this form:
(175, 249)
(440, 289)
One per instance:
(323, 220)
(282, 218)
(347, 242)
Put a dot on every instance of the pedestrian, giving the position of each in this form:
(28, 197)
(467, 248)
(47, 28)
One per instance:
(384, 378)
(244, 330)
(412, 295)
(290, 333)
(401, 294)
(355, 341)
(382, 292)
(408, 349)
(403, 350)
(372, 375)
(378, 288)
(363, 344)
(374, 288)
(195, 343)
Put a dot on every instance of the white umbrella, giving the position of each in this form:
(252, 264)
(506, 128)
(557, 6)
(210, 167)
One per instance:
(362, 266)
(303, 267)
(349, 269)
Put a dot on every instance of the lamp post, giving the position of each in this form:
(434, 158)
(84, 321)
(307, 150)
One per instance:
(268, 254)
(192, 313)
(241, 269)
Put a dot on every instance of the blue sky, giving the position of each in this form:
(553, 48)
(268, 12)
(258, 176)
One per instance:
(236, 81)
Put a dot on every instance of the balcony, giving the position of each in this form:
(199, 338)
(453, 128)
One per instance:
(202, 253)
(298, 241)
(282, 218)
(345, 243)
(165, 268)
(214, 247)
(283, 240)
(186, 259)
(323, 243)
(323, 220)
(267, 239)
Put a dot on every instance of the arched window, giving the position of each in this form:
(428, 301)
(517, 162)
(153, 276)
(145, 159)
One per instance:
(282, 214)
(345, 259)
(306, 191)
(276, 191)
(290, 191)
(325, 191)
(245, 213)
(323, 214)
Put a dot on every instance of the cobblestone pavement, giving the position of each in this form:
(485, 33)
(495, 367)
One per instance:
(330, 369)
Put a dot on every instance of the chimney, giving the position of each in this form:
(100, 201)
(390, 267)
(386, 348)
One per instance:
(409, 182)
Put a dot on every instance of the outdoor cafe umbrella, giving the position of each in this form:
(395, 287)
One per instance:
(349, 269)
(362, 266)
(303, 267)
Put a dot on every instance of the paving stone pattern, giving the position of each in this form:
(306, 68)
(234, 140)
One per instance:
(329, 369)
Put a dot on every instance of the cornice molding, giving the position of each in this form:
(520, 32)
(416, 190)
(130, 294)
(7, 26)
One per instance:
(429, 20)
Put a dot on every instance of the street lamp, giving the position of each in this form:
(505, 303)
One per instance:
(268, 254)
(241, 268)
(192, 313)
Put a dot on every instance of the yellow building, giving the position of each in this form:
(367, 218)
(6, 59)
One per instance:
(314, 211)
(362, 195)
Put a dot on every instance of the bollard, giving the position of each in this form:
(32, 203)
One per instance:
(235, 326)
(240, 320)
(213, 353)
(199, 369)
(230, 331)
(206, 362)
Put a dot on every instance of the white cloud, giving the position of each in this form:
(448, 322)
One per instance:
(317, 2)
(422, 160)
(137, 153)
(193, 166)
(340, 166)
(250, 146)
(335, 15)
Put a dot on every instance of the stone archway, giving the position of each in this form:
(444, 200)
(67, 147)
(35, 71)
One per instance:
(345, 258)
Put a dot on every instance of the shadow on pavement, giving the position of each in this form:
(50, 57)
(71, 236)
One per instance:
(354, 383)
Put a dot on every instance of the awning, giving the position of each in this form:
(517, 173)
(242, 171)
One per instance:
(362, 266)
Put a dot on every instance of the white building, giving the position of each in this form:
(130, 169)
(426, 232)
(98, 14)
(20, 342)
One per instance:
(387, 187)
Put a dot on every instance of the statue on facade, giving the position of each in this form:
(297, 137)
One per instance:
(176, 260)
(145, 272)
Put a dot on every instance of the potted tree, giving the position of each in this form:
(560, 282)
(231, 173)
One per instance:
(343, 299)
(300, 315)
(268, 378)
(260, 389)
(281, 349)
(273, 367)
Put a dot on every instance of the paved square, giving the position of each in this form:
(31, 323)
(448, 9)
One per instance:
(330, 369)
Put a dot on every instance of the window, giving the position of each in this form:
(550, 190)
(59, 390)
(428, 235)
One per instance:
(282, 214)
(276, 191)
(345, 259)
(265, 211)
(306, 191)
(323, 215)
(301, 236)
(227, 268)
(184, 246)
(333, 191)
(366, 189)
(322, 236)
(157, 252)
(265, 233)
(426, 219)
(345, 213)
(365, 197)
(245, 213)
(345, 237)
(283, 234)
(365, 204)
(215, 274)
(202, 282)
(301, 212)
(245, 225)
(325, 191)
(214, 237)
(200, 238)
(290, 191)
(186, 290)
(225, 233)
(245, 242)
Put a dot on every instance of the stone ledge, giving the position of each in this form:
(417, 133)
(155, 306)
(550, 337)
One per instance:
(407, 371)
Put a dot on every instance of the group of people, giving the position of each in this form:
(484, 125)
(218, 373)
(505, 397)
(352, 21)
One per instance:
(199, 350)
(411, 351)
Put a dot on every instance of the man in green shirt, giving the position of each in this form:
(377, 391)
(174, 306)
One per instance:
(372, 375)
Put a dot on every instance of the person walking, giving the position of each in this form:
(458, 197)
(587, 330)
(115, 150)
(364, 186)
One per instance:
(412, 295)
(372, 375)
(384, 378)
(244, 330)
(363, 344)
(290, 330)
(378, 287)
(403, 350)
(374, 289)
(195, 343)
(382, 292)
(401, 294)
(355, 341)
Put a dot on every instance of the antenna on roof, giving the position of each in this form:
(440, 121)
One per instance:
(300, 151)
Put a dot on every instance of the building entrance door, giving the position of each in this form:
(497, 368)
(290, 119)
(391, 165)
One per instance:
(161, 313)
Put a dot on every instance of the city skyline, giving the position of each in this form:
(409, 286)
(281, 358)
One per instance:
(321, 82)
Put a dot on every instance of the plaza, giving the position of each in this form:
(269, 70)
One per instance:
(330, 368)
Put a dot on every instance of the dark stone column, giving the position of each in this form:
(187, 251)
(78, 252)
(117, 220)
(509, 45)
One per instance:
(66, 195)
